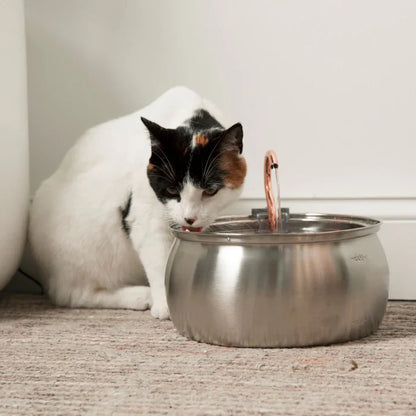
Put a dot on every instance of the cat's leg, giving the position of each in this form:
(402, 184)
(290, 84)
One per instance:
(128, 297)
(153, 249)
(113, 282)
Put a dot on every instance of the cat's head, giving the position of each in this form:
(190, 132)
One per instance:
(196, 171)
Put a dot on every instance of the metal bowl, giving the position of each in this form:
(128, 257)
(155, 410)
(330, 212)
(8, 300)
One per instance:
(324, 280)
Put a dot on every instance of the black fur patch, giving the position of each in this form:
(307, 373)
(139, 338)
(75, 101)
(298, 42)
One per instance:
(202, 120)
(124, 212)
(192, 152)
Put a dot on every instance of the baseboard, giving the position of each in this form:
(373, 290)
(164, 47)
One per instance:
(381, 208)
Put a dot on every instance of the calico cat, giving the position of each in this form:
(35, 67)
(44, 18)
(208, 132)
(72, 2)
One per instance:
(99, 226)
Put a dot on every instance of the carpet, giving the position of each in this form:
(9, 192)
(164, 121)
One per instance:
(56, 361)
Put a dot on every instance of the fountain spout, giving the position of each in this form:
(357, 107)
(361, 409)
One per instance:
(270, 163)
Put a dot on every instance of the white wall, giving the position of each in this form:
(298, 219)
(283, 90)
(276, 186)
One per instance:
(329, 85)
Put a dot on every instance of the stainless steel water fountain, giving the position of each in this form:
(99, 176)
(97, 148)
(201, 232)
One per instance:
(321, 279)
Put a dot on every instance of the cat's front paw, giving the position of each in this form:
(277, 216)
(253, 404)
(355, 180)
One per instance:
(160, 310)
(135, 297)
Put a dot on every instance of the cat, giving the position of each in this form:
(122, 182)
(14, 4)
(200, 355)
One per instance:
(99, 226)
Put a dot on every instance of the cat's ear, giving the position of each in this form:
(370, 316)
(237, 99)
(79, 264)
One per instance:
(233, 137)
(157, 133)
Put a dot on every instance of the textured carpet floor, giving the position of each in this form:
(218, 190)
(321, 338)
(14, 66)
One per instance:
(105, 362)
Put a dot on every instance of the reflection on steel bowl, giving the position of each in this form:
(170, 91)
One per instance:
(324, 280)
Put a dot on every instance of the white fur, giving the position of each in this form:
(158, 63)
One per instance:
(204, 210)
(85, 257)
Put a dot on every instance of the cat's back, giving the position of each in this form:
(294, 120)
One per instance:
(106, 159)
(123, 143)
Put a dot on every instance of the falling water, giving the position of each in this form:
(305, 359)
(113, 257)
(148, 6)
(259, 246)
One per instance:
(279, 211)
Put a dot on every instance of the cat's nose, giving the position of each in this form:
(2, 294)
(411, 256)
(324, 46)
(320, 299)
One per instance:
(190, 221)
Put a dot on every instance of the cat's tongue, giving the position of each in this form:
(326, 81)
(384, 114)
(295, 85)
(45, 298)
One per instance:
(192, 229)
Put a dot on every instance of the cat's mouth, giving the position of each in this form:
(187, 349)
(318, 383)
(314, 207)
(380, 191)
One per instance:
(192, 229)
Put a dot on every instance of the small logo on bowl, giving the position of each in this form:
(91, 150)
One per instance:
(359, 257)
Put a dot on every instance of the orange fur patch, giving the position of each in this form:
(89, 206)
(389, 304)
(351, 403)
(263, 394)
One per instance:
(201, 140)
(150, 166)
(235, 167)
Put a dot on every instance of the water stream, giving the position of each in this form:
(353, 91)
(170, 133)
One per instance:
(279, 210)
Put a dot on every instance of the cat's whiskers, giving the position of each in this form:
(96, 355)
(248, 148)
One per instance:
(155, 175)
(165, 168)
(168, 161)
(170, 221)
(211, 166)
(168, 167)
(209, 157)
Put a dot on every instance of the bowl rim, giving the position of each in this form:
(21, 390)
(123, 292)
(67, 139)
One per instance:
(363, 226)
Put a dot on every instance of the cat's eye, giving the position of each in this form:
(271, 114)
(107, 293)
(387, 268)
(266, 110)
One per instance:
(210, 191)
(171, 190)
